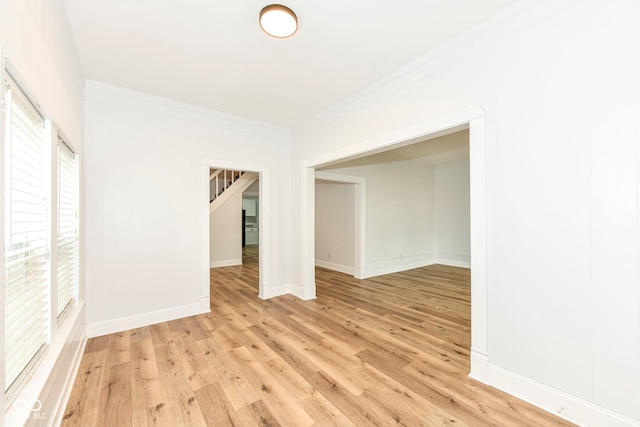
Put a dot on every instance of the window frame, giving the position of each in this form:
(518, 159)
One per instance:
(33, 341)
(59, 326)
(60, 142)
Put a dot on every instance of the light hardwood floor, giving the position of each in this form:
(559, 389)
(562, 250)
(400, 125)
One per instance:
(391, 350)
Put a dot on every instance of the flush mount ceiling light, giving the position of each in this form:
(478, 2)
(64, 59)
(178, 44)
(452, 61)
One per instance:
(278, 21)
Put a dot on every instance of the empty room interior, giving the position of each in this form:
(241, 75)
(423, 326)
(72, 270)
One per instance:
(382, 213)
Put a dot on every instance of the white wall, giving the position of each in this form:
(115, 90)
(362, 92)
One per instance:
(143, 221)
(225, 233)
(37, 39)
(335, 226)
(453, 245)
(559, 82)
(37, 42)
(400, 224)
(425, 209)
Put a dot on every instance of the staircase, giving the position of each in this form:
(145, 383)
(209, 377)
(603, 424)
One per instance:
(225, 183)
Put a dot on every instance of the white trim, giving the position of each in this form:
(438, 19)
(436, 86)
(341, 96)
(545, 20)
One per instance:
(205, 234)
(360, 211)
(500, 26)
(396, 267)
(339, 177)
(97, 329)
(453, 262)
(557, 402)
(132, 100)
(307, 236)
(264, 224)
(276, 291)
(205, 305)
(480, 363)
(432, 128)
(225, 263)
(478, 235)
(264, 233)
(472, 117)
(346, 269)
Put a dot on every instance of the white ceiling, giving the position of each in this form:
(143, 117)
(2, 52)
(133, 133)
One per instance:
(212, 53)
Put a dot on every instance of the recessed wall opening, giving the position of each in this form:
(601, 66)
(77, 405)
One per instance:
(235, 215)
(417, 227)
(417, 196)
(449, 157)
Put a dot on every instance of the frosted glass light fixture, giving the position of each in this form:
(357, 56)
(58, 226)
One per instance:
(278, 21)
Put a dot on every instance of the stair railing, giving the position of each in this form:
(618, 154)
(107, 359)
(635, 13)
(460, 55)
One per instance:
(222, 179)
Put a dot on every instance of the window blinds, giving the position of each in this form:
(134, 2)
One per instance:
(67, 224)
(25, 245)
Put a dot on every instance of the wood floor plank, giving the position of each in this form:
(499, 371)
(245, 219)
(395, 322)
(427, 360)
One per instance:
(195, 362)
(217, 410)
(285, 404)
(84, 402)
(160, 334)
(180, 407)
(257, 414)
(146, 390)
(230, 376)
(97, 344)
(119, 348)
(389, 350)
(286, 352)
(115, 396)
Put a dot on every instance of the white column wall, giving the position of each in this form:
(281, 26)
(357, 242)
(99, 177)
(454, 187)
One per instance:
(143, 173)
(559, 83)
(452, 224)
(335, 226)
(225, 233)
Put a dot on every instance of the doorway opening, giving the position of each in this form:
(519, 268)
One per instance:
(418, 197)
(222, 221)
(340, 207)
(251, 227)
(473, 120)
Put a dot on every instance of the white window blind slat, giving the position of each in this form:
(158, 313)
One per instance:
(26, 243)
(67, 225)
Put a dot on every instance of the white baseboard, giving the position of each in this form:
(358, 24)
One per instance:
(300, 291)
(335, 267)
(276, 291)
(395, 268)
(205, 304)
(225, 263)
(562, 404)
(305, 293)
(97, 329)
(398, 265)
(453, 262)
(479, 366)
